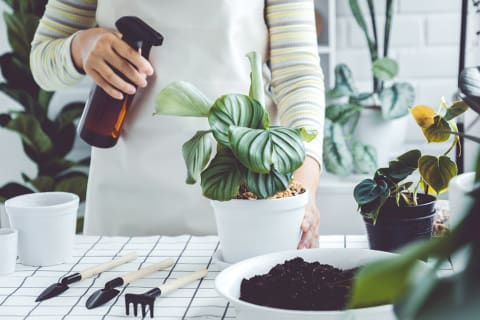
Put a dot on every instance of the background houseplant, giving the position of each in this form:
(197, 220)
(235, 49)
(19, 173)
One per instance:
(347, 149)
(460, 186)
(450, 297)
(251, 155)
(453, 297)
(45, 141)
(393, 210)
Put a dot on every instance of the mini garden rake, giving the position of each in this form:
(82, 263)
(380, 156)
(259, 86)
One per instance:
(147, 299)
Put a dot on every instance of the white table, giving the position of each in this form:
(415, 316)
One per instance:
(196, 301)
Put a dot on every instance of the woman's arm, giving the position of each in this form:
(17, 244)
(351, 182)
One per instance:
(297, 83)
(66, 46)
(50, 58)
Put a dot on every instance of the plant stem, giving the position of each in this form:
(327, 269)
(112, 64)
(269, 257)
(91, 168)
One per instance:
(455, 140)
(415, 191)
(388, 27)
(387, 31)
(358, 15)
(371, 10)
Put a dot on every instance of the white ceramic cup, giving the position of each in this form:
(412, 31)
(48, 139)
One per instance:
(46, 226)
(8, 250)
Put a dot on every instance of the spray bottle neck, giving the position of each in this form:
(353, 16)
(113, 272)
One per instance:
(138, 34)
(142, 45)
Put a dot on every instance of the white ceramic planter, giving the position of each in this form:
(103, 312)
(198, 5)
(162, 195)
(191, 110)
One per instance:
(383, 134)
(459, 200)
(247, 228)
(46, 226)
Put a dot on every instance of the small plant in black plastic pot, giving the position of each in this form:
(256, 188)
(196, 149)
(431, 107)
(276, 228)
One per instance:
(253, 160)
(394, 211)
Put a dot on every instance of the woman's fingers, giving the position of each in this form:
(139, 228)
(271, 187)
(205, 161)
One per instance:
(99, 52)
(308, 240)
(105, 85)
(308, 221)
(127, 70)
(309, 228)
(133, 56)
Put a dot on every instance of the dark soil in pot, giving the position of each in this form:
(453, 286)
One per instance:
(399, 225)
(300, 285)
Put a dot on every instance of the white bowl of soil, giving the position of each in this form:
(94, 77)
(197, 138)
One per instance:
(229, 281)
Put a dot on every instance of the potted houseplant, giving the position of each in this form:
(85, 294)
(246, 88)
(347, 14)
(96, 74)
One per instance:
(253, 160)
(461, 185)
(46, 141)
(393, 210)
(354, 119)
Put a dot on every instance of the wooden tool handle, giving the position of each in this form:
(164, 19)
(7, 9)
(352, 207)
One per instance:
(132, 276)
(182, 281)
(107, 265)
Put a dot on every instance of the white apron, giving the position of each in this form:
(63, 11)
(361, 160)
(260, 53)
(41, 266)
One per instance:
(138, 186)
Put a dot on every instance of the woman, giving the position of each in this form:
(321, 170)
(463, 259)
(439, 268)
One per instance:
(136, 187)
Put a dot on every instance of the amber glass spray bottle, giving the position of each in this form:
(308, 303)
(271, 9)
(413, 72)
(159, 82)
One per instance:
(103, 116)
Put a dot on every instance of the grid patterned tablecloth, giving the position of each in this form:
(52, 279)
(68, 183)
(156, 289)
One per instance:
(196, 301)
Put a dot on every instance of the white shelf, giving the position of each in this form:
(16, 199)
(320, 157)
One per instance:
(325, 9)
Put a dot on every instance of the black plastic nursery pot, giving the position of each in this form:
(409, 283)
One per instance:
(399, 225)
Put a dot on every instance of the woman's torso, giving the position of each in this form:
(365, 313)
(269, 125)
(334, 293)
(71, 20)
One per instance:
(138, 187)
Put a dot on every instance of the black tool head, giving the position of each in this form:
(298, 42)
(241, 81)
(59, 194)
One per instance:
(101, 297)
(52, 291)
(145, 300)
(137, 299)
(58, 288)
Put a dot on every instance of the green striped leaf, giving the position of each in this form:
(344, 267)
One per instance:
(369, 190)
(182, 99)
(343, 83)
(196, 153)
(370, 196)
(385, 68)
(260, 150)
(364, 157)
(236, 110)
(221, 180)
(266, 185)
(396, 100)
(341, 112)
(257, 91)
(337, 157)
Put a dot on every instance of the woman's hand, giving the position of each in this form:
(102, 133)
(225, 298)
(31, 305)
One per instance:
(95, 51)
(309, 175)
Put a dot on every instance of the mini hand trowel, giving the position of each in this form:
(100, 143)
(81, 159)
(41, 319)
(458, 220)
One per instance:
(61, 286)
(106, 294)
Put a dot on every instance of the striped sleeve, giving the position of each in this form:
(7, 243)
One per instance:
(50, 58)
(297, 79)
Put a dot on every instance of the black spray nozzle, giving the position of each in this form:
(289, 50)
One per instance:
(138, 34)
